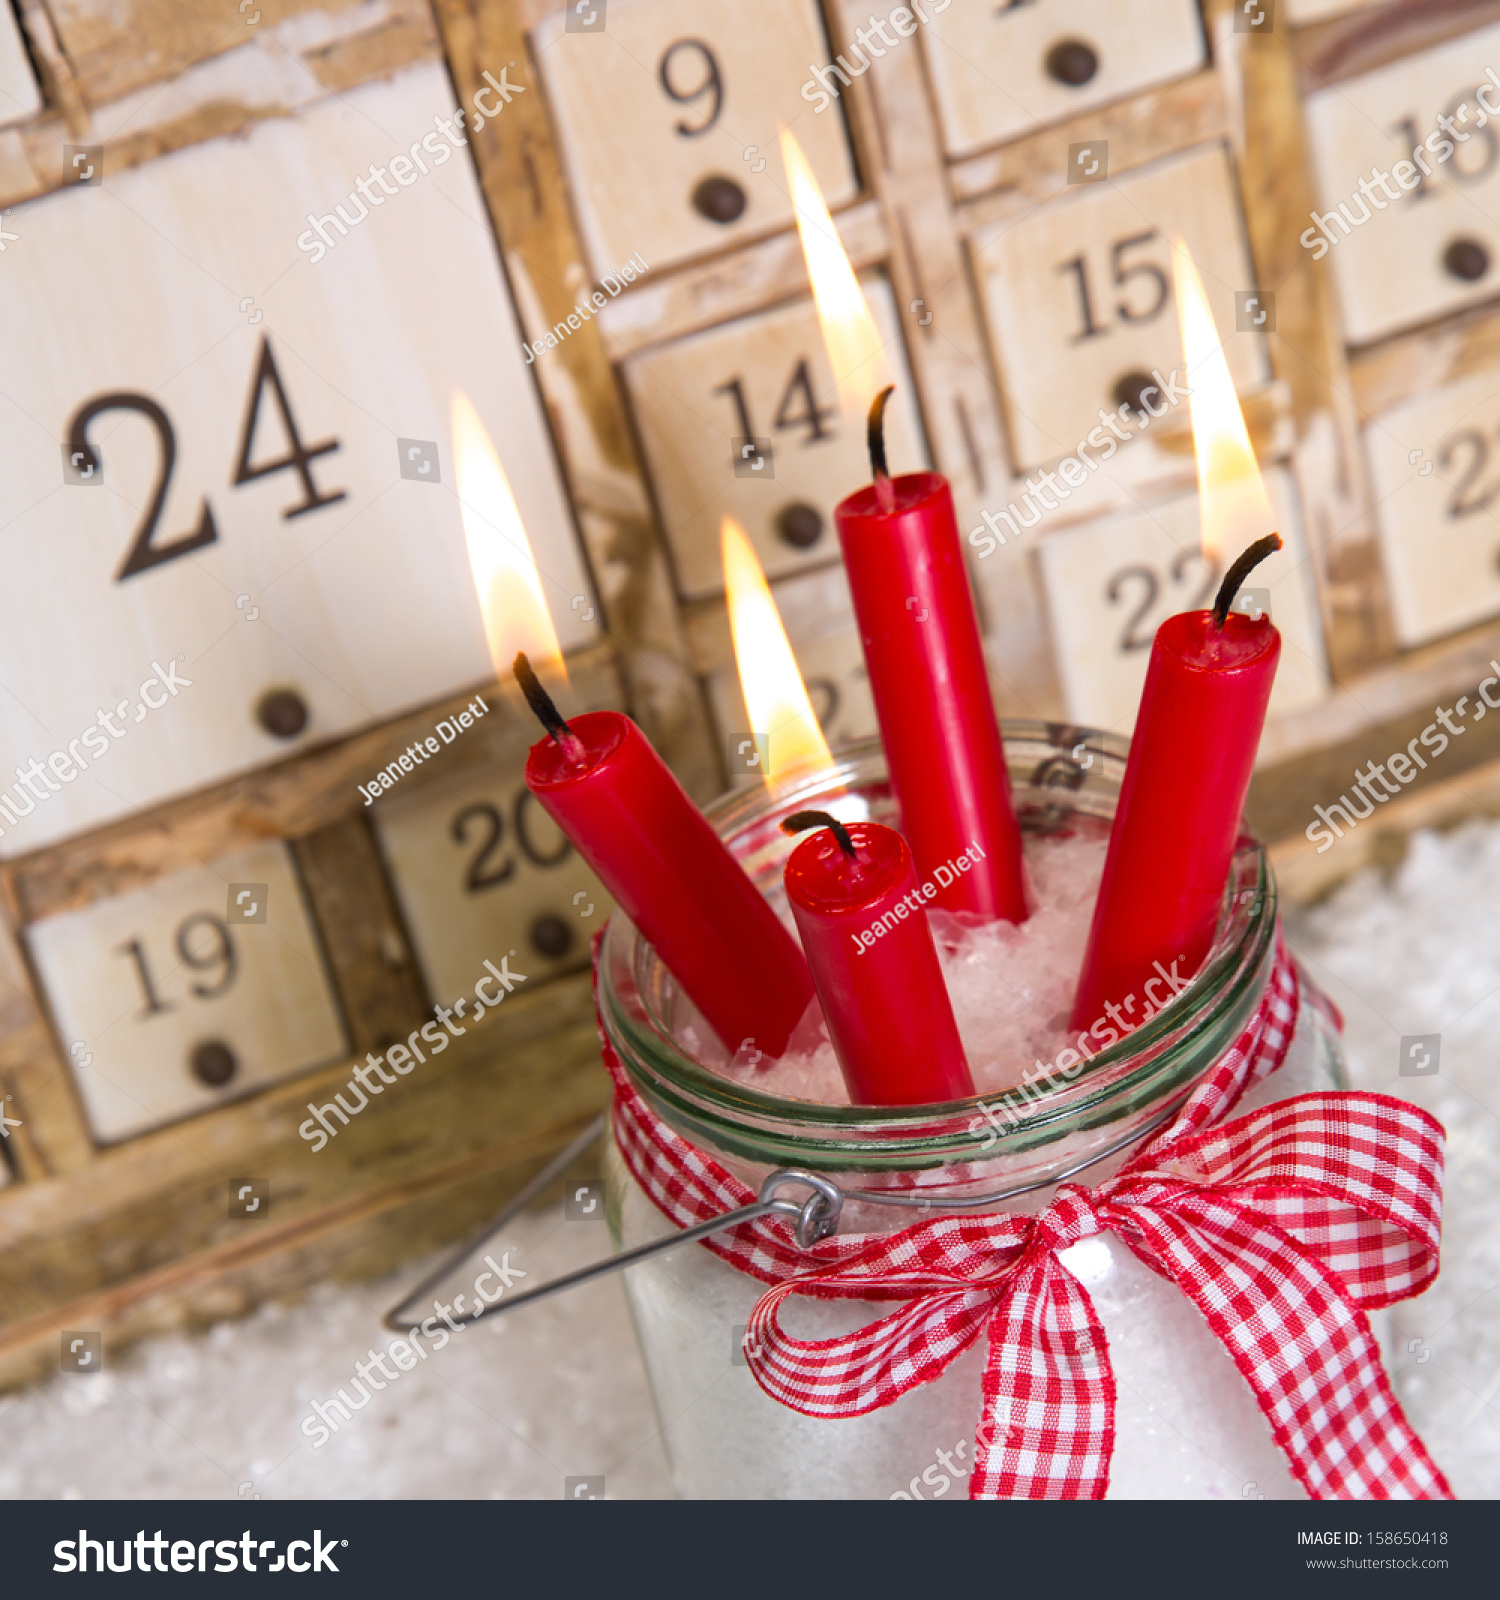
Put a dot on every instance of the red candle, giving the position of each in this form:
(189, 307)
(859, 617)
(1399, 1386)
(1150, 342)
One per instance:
(1178, 817)
(601, 782)
(929, 683)
(863, 919)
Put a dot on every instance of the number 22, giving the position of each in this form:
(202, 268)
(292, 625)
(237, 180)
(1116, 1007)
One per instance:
(1135, 637)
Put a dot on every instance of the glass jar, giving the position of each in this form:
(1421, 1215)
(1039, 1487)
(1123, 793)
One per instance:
(1187, 1425)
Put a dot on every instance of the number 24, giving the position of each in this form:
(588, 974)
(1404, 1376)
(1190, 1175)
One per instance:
(143, 554)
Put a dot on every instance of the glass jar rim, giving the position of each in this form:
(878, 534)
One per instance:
(1135, 1078)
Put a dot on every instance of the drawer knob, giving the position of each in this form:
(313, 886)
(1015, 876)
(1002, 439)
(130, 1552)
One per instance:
(1466, 259)
(799, 525)
(551, 936)
(1072, 62)
(1129, 389)
(282, 713)
(213, 1063)
(719, 199)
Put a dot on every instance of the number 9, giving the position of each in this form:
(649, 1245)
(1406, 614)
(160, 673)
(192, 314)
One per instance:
(221, 955)
(709, 83)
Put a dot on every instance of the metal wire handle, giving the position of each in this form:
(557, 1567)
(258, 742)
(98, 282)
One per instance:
(814, 1218)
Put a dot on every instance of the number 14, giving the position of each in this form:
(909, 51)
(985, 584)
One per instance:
(812, 416)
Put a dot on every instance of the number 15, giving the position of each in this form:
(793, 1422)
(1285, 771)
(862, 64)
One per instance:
(1123, 273)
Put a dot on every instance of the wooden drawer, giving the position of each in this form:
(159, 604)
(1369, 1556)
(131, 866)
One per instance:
(1435, 463)
(1000, 71)
(1110, 584)
(818, 616)
(199, 989)
(253, 509)
(668, 116)
(701, 400)
(1421, 244)
(1079, 294)
(480, 869)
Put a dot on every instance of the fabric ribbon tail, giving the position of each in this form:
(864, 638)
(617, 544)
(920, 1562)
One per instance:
(1306, 1350)
(1047, 1429)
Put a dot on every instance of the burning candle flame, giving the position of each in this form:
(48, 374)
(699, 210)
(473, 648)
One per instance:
(1233, 508)
(775, 695)
(855, 349)
(505, 574)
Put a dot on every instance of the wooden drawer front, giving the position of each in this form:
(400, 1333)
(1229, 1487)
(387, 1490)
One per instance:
(762, 377)
(174, 302)
(668, 122)
(1435, 247)
(1001, 71)
(1109, 585)
(481, 870)
(1079, 294)
(1435, 465)
(200, 988)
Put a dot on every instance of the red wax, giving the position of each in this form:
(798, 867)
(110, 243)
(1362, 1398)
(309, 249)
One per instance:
(1179, 812)
(932, 693)
(864, 927)
(672, 875)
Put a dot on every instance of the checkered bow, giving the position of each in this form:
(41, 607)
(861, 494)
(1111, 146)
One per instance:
(1281, 1226)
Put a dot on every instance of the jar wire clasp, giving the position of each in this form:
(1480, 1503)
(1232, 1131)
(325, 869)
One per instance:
(812, 1219)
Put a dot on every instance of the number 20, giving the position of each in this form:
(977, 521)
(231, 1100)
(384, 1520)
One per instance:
(484, 870)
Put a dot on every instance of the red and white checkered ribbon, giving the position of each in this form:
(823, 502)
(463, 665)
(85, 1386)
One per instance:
(1281, 1227)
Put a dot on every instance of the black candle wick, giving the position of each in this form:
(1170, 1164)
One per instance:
(1247, 563)
(543, 705)
(801, 820)
(875, 435)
